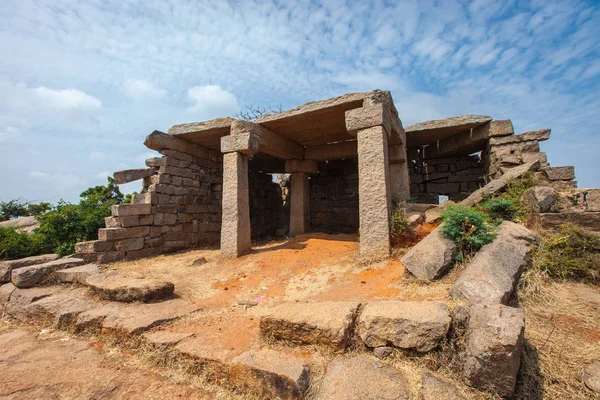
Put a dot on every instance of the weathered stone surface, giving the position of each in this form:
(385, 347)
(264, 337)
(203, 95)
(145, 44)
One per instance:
(161, 141)
(304, 166)
(374, 195)
(436, 388)
(499, 184)
(25, 224)
(25, 262)
(592, 200)
(362, 378)
(416, 325)
(372, 115)
(235, 225)
(124, 210)
(115, 287)
(94, 246)
(382, 351)
(560, 173)
(501, 128)
(591, 377)
(270, 142)
(137, 318)
(434, 214)
(418, 207)
(553, 221)
(166, 338)
(539, 135)
(132, 244)
(431, 131)
(5, 272)
(299, 203)
(245, 143)
(399, 181)
(271, 373)
(5, 293)
(207, 133)
(432, 257)
(494, 271)
(60, 310)
(77, 274)
(92, 320)
(107, 234)
(328, 323)
(132, 175)
(413, 218)
(36, 274)
(494, 344)
(540, 198)
(21, 298)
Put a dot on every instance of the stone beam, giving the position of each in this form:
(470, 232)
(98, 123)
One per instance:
(132, 175)
(331, 151)
(303, 166)
(299, 203)
(396, 154)
(270, 142)
(464, 143)
(158, 141)
(246, 143)
(235, 226)
(501, 128)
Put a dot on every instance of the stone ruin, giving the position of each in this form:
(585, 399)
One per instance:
(350, 161)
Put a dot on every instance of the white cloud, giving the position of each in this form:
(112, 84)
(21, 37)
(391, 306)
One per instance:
(61, 180)
(142, 90)
(66, 99)
(211, 101)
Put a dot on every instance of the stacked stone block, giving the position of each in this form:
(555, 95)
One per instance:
(269, 206)
(455, 177)
(179, 207)
(334, 197)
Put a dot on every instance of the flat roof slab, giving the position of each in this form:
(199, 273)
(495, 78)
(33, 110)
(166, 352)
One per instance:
(206, 133)
(428, 132)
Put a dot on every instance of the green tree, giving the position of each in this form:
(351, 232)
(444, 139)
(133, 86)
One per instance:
(14, 209)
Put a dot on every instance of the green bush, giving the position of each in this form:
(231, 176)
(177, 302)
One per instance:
(569, 254)
(499, 209)
(469, 228)
(399, 225)
(16, 244)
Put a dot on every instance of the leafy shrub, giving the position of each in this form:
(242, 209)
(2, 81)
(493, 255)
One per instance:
(569, 254)
(16, 244)
(499, 209)
(468, 228)
(399, 225)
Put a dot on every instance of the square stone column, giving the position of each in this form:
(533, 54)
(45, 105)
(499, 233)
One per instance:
(399, 177)
(235, 226)
(374, 198)
(299, 210)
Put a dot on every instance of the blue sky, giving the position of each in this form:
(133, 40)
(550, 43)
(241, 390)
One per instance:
(83, 82)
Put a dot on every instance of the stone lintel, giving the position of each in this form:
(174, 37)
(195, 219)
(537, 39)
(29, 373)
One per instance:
(158, 141)
(235, 226)
(501, 128)
(132, 175)
(331, 151)
(270, 142)
(378, 114)
(538, 135)
(374, 197)
(245, 143)
(304, 166)
(467, 142)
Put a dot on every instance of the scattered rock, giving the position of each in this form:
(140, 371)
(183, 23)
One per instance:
(416, 325)
(436, 388)
(60, 310)
(496, 268)
(382, 351)
(115, 287)
(166, 338)
(539, 198)
(25, 224)
(434, 215)
(413, 218)
(34, 275)
(7, 266)
(362, 378)
(21, 298)
(493, 347)
(560, 173)
(77, 274)
(199, 261)
(431, 257)
(271, 373)
(328, 323)
(591, 377)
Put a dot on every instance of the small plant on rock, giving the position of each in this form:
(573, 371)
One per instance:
(470, 229)
(499, 209)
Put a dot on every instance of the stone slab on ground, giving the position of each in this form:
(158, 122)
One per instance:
(211, 357)
(499, 184)
(166, 338)
(494, 343)
(60, 310)
(361, 377)
(7, 266)
(436, 388)
(591, 377)
(77, 274)
(138, 318)
(34, 275)
(115, 287)
(415, 325)
(329, 323)
(432, 257)
(20, 298)
(92, 320)
(271, 373)
(493, 273)
(553, 221)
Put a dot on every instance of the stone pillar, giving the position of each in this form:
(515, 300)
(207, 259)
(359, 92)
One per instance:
(399, 179)
(374, 199)
(235, 226)
(299, 211)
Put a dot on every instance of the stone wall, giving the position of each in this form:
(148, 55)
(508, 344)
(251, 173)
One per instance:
(179, 207)
(334, 197)
(269, 206)
(455, 177)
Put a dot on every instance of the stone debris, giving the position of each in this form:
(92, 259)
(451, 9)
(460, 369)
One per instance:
(540, 198)
(60, 310)
(329, 323)
(34, 275)
(560, 173)
(6, 267)
(360, 377)
(553, 221)
(132, 175)
(432, 257)
(494, 343)
(115, 287)
(77, 274)
(493, 273)
(271, 373)
(382, 351)
(436, 388)
(414, 325)
(199, 261)
(166, 338)
(591, 377)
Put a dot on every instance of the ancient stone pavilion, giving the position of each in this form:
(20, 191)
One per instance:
(350, 161)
